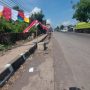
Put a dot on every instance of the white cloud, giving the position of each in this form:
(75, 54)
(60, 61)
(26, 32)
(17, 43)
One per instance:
(66, 23)
(35, 10)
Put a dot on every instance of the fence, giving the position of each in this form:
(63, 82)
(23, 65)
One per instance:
(11, 38)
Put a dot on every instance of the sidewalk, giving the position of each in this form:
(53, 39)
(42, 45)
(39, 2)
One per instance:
(42, 76)
(4, 60)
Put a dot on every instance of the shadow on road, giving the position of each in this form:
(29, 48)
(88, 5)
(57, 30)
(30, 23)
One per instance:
(74, 88)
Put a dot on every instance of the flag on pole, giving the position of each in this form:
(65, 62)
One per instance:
(20, 16)
(14, 15)
(7, 13)
(26, 17)
(1, 10)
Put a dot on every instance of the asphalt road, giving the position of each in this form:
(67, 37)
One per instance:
(65, 65)
(71, 61)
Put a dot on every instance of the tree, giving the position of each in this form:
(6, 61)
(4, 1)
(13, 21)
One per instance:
(82, 11)
(57, 28)
(38, 16)
(10, 26)
(61, 27)
(17, 8)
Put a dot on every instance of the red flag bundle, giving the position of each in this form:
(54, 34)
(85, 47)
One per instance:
(7, 13)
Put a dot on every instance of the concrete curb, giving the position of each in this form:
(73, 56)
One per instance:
(15, 64)
(43, 39)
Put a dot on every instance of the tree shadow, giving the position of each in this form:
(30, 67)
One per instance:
(74, 88)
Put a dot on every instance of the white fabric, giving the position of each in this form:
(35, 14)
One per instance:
(1, 8)
(14, 15)
(26, 15)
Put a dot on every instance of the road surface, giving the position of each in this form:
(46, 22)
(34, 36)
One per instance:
(64, 66)
(72, 60)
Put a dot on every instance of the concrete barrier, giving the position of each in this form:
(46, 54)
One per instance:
(43, 45)
(42, 39)
(5, 74)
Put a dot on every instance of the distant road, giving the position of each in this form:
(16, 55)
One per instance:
(71, 60)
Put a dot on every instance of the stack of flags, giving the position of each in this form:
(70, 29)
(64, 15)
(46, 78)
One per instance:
(14, 15)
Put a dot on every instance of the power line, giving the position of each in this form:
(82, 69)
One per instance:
(12, 3)
(17, 4)
(5, 4)
(21, 7)
(23, 4)
(9, 2)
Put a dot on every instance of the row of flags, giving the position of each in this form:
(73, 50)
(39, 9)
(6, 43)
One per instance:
(9, 13)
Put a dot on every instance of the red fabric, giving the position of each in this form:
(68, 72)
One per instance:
(43, 26)
(30, 26)
(7, 13)
(21, 14)
(33, 24)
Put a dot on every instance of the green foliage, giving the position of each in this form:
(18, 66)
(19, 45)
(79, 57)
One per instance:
(38, 16)
(83, 25)
(5, 25)
(17, 8)
(4, 47)
(33, 29)
(57, 28)
(61, 27)
(1, 47)
(82, 11)
(19, 26)
(11, 26)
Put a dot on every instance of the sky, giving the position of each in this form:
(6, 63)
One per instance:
(57, 11)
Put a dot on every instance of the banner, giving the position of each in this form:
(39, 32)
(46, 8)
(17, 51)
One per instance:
(20, 16)
(26, 17)
(1, 11)
(14, 15)
(30, 26)
(35, 22)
